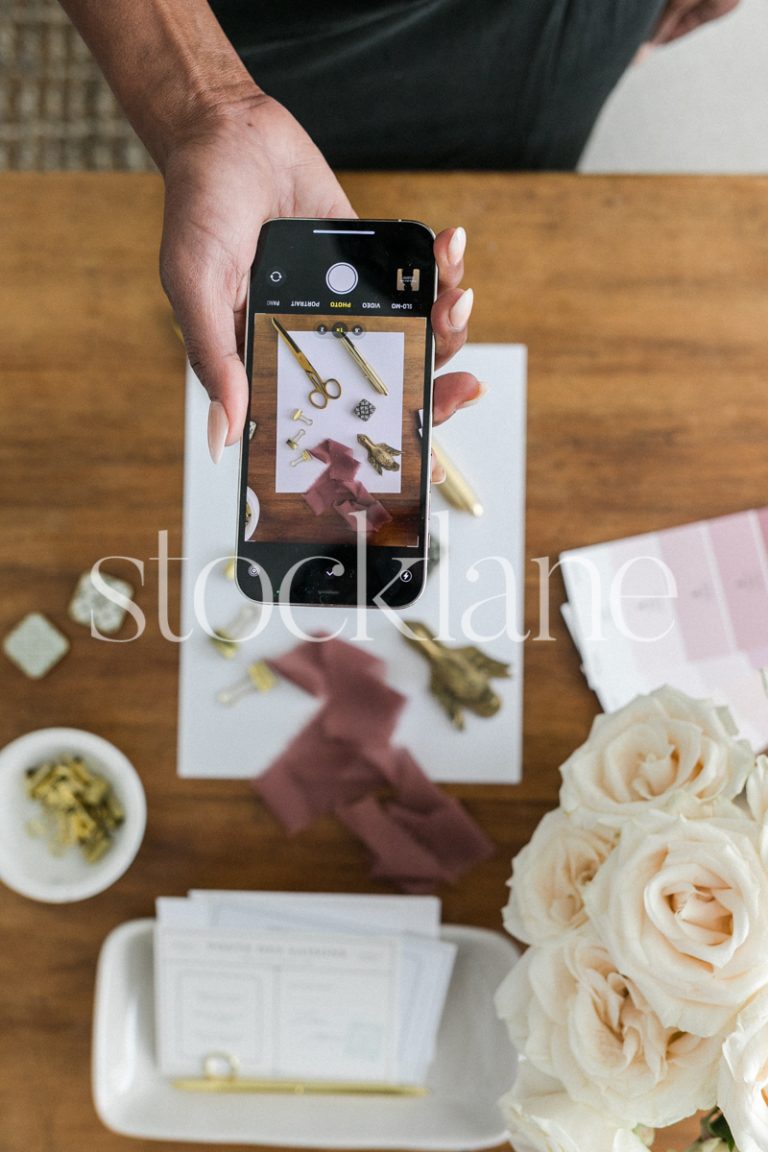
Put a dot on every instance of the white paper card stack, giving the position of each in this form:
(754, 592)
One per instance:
(299, 987)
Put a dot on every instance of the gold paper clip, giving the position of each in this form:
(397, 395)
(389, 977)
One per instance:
(258, 678)
(227, 640)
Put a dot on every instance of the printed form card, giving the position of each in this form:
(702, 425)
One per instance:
(277, 1006)
(426, 962)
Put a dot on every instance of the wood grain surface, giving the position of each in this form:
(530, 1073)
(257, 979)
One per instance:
(644, 303)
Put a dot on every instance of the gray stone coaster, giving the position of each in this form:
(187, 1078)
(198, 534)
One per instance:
(35, 646)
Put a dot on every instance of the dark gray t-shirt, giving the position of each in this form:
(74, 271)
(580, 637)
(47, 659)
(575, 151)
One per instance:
(506, 84)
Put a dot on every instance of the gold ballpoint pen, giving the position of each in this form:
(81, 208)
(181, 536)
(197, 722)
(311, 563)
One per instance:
(370, 373)
(456, 489)
(298, 1087)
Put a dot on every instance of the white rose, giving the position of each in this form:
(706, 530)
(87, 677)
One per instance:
(541, 1117)
(579, 1020)
(660, 751)
(549, 876)
(682, 905)
(742, 1089)
(757, 789)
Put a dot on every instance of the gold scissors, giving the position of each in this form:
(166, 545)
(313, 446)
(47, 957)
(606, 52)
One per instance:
(322, 390)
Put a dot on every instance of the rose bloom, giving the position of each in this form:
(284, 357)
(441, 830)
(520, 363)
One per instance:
(577, 1019)
(756, 791)
(682, 906)
(742, 1089)
(661, 750)
(549, 876)
(541, 1117)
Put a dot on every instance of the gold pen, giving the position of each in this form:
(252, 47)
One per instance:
(456, 488)
(298, 1087)
(370, 373)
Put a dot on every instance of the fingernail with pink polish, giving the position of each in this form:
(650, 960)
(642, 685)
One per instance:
(218, 430)
(481, 391)
(460, 312)
(457, 246)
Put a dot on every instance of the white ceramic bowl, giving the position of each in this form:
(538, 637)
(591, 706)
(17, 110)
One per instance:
(26, 862)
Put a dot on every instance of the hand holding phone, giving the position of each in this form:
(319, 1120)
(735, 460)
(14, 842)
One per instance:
(335, 458)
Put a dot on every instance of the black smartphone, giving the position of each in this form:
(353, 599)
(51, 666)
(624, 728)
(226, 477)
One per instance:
(335, 463)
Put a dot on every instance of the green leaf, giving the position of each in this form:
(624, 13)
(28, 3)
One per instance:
(715, 1124)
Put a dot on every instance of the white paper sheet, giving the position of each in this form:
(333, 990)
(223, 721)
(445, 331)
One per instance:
(477, 587)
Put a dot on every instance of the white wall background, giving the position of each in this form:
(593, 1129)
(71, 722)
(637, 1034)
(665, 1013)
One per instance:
(697, 105)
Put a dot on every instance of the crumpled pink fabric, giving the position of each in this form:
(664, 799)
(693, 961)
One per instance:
(344, 762)
(337, 488)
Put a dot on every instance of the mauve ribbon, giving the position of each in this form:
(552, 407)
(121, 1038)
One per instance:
(337, 488)
(344, 762)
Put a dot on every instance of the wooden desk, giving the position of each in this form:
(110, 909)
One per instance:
(644, 302)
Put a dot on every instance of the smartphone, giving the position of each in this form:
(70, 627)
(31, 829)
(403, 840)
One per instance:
(335, 462)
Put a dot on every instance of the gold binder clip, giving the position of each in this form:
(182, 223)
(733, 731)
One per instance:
(227, 640)
(258, 678)
(297, 414)
(302, 459)
(293, 441)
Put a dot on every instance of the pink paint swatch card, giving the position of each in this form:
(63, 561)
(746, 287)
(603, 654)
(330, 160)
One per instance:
(687, 607)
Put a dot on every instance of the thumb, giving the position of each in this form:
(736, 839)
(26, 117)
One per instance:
(210, 320)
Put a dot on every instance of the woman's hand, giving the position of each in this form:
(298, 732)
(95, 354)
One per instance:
(682, 16)
(243, 164)
(450, 316)
(232, 158)
(250, 162)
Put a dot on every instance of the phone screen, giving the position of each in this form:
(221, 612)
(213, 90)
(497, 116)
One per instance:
(335, 465)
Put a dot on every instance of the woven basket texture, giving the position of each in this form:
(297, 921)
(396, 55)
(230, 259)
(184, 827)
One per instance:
(56, 109)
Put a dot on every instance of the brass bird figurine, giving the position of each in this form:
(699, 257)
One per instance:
(380, 455)
(460, 676)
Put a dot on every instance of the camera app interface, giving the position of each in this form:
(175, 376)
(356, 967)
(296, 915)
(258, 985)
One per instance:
(337, 396)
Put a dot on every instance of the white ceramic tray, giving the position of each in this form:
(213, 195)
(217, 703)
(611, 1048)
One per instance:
(474, 1065)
